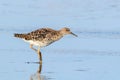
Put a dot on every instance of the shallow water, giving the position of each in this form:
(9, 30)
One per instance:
(84, 58)
(93, 55)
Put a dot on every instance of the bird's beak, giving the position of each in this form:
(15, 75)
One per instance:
(74, 34)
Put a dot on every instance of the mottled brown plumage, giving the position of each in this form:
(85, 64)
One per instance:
(44, 36)
(40, 34)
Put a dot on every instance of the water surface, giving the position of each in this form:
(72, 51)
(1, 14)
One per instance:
(94, 55)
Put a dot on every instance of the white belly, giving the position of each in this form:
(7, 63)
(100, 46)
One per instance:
(37, 43)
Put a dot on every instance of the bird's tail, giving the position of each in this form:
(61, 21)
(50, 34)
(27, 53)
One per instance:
(20, 35)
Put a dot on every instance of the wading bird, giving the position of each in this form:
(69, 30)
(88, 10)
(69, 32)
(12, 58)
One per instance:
(43, 37)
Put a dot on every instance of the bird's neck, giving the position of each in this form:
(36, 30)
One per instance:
(61, 33)
(57, 36)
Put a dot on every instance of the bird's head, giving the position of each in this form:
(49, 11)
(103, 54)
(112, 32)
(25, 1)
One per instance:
(65, 31)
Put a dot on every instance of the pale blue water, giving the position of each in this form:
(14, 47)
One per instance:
(94, 55)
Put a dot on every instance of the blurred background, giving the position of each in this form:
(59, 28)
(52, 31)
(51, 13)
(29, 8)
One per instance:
(94, 55)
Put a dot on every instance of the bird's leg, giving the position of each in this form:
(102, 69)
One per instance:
(39, 55)
(31, 46)
(38, 52)
(39, 69)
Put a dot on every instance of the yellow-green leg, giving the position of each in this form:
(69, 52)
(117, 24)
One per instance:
(31, 46)
(39, 55)
(38, 52)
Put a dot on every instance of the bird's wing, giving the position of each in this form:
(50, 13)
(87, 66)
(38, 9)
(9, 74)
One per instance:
(41, 34)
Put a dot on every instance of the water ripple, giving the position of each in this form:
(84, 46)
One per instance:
(99, 34)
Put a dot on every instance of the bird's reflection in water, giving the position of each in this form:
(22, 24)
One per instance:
(38, 75)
